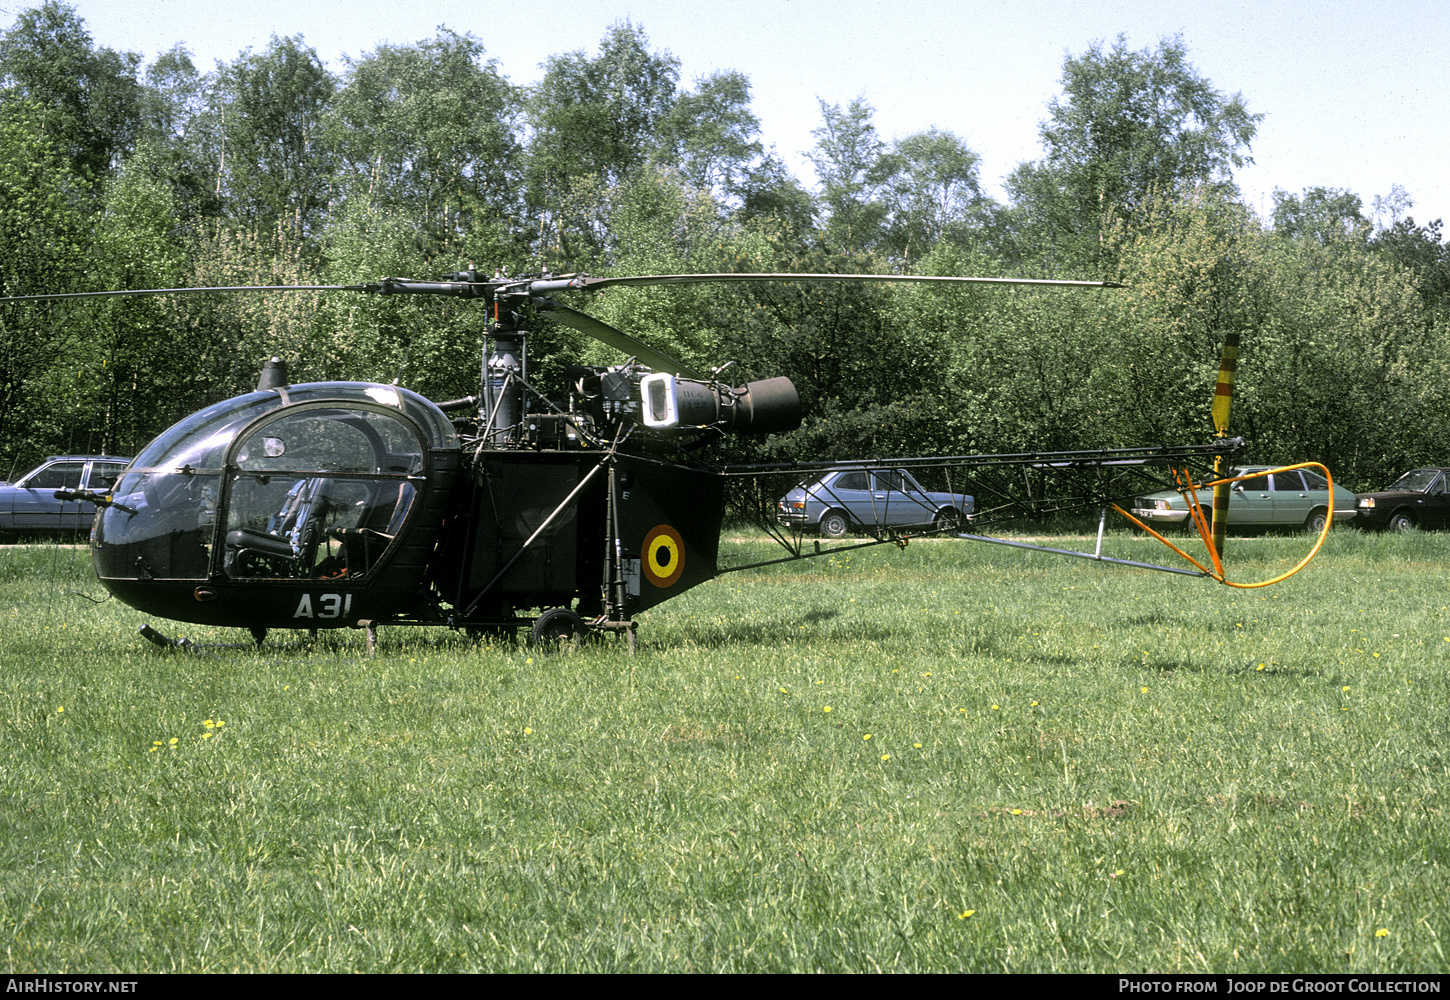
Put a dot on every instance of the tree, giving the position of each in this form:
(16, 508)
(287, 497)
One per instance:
(430, 128)
(601, 124)
(712, 137)
(1392, 206)
(601, 116)
(850, 168)
(275, 166)
(595, 123)
(931, 187)
(1129, 124)
(182, 133)
(45, 246)
(1421, 251)
(770, 194)
(1322, 214)
(89, 97)
(134, 364)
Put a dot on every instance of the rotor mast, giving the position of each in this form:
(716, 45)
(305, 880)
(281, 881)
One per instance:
(505, 370)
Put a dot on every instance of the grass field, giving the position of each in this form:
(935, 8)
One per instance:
(951, 757)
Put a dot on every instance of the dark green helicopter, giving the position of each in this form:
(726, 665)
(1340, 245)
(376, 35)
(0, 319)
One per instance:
(355, 504)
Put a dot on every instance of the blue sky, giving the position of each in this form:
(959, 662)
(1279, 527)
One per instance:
(1354, 93)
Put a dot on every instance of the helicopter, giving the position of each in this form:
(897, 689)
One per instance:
(355, 504)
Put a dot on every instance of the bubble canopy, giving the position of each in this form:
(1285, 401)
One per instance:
(200, 441)
(303, 483)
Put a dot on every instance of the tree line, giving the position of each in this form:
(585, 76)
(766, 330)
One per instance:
(417, 159)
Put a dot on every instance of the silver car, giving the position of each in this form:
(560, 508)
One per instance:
(844, 499)
(30, 504)
(1293, 499)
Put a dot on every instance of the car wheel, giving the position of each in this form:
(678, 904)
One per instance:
(949, 520)
(1401, 521)
(835, 524)
(558, 628)
(1315, 522)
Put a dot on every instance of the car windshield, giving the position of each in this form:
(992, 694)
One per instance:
(1418, 481)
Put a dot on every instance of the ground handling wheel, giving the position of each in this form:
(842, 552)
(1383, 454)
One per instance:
(558, 628)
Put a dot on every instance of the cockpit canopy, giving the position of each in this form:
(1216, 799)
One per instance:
(304, 482)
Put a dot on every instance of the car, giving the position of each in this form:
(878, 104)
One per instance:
(1418, 499)
(845, 499)
(1294, 499)
(30, 505)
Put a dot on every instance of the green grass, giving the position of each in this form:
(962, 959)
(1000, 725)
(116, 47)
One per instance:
(952, 757)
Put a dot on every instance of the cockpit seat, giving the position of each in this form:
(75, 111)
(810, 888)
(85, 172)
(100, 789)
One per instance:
(260, 541)
(292, 534)
(382, 520)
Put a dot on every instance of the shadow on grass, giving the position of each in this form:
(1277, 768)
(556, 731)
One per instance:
(821, 615)
(985, 643)
(1169, 667)
(778, 631)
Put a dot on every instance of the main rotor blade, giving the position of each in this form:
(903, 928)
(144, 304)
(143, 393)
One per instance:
(686, 279)
(616, 338)
(565, 283)
(184, 291)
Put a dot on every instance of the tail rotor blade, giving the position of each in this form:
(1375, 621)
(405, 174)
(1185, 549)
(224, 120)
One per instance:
(1224, 391)
(1222, 401)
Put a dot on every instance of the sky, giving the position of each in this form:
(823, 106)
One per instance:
(1353, 93)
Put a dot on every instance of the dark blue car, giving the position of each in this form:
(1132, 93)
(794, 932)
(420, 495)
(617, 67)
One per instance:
(29, 504)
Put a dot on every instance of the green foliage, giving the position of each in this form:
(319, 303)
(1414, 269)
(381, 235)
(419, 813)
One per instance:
(933, 192)
(773, 199)
(1335, 349)
(420, 159)
(135, 357)
(430, 129)
(712, 137)
(848, 162)
(45, 219)
(1130, 124)
(229, 336)
(1194, 274)
(1344, 364)
(88, 98)
(1421, 251)
(601, 116)
(1322, 214)
(276, 168)
(430, 344)
(658, 224)
(181, 134)
(598, 125)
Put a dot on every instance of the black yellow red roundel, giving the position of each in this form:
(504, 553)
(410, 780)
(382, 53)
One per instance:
(664, 556)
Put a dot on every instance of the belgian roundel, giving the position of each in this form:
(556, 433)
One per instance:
(664, 556)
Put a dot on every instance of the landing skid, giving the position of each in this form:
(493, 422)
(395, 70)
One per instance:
(202, 648)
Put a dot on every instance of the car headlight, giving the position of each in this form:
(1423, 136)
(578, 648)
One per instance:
(1367, 502)
(1162, 505)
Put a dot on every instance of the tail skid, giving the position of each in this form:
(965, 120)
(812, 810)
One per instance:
(1205, 528)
